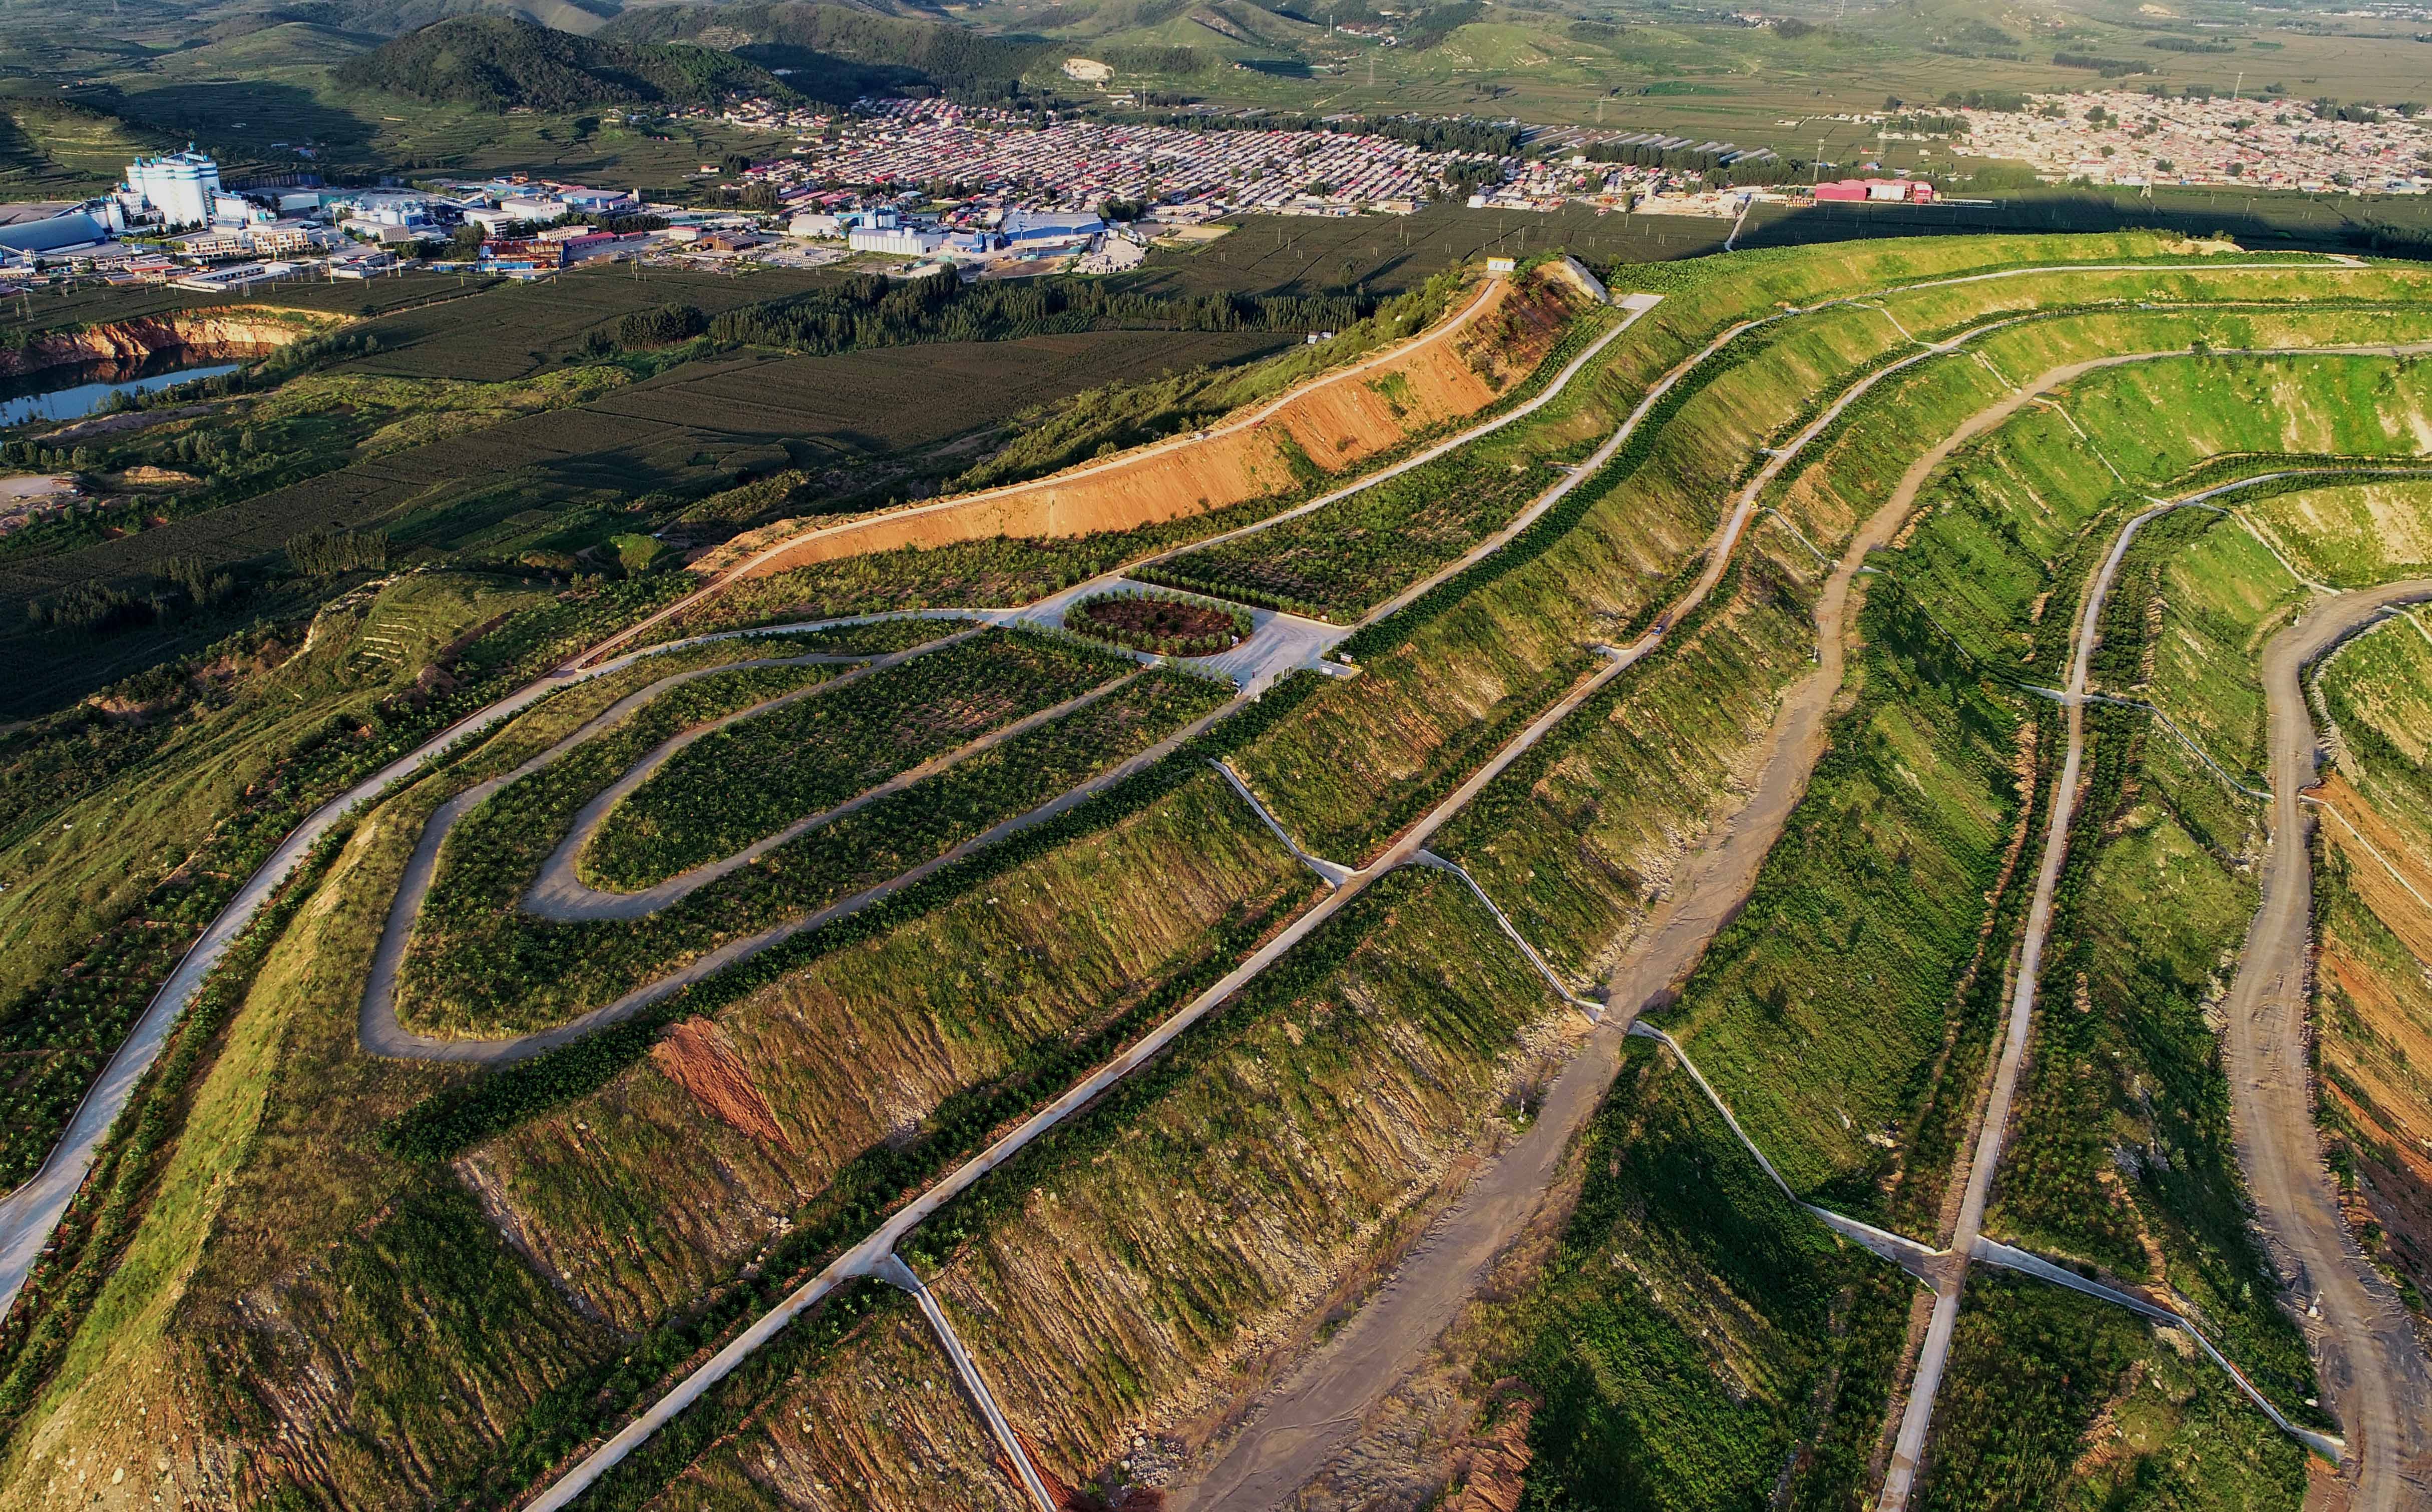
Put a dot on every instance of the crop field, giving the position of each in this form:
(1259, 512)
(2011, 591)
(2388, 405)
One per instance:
(480, 965)
(863, 403)
(750, 780)
(52, 310)
(513, 330)
(561, 479)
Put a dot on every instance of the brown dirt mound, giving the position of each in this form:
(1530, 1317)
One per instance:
(1453, 370)
(696, 1055)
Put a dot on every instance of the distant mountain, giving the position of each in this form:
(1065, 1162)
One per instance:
(499, 63)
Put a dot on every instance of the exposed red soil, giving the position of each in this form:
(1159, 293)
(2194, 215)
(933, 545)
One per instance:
(1334, 422)
(696, 1055)
(1492, 1470)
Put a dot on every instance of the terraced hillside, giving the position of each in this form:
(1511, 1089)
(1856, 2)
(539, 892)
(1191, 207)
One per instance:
(1692, 956)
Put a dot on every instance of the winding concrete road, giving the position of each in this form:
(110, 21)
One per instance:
(29, 1215)
(2277, 1126)
(1498, 1203)
(559, 892)
(2373, 1374)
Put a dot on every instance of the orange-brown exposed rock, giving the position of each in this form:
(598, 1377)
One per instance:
(208, 332)
(1493, 1469)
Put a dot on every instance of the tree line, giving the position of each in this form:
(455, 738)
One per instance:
(871, 311)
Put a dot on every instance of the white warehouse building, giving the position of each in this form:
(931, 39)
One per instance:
(179, 185)
(903, 241)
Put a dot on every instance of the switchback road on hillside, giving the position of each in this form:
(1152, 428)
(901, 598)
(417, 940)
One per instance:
(29, 1215)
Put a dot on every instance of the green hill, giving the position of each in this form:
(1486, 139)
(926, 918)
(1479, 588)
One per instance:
(499, 63)
(804, 39)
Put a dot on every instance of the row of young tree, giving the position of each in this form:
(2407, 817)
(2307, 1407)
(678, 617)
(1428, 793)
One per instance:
(878, 311)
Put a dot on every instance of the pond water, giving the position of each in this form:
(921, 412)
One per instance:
(72, 392)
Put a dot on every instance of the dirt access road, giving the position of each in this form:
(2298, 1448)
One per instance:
(2373, 1374)
(1291, 1435)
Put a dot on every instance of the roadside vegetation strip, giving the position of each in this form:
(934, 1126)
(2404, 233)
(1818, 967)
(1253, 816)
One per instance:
(102, 1217)
(753, 777)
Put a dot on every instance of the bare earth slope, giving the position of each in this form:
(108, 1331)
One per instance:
(2366, 1351)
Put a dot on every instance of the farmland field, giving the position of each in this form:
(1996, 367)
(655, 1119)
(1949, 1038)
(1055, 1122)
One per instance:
(515, 330)
(372, 296)
(561, 480)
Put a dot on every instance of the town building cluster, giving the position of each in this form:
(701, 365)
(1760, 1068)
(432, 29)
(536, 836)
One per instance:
(2259, 142)
(1010, 162)
(925, 186)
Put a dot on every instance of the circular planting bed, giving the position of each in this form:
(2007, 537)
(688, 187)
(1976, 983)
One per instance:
(1167, 624)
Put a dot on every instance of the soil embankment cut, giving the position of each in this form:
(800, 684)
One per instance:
(215, 332)
(1331, 425)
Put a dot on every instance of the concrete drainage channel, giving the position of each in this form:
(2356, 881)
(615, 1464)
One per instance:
(896, 1272)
